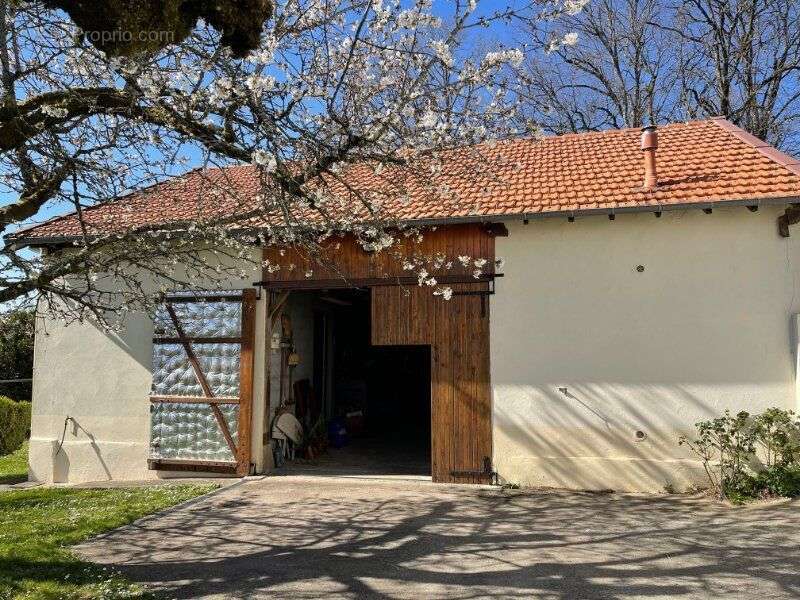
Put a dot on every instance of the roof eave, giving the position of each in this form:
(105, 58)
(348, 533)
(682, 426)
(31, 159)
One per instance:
(647, 208)
(506, 217)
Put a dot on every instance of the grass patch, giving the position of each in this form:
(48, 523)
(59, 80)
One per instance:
(14, 466)
(37, 525)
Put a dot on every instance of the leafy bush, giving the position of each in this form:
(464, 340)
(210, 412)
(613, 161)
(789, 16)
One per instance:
(778, 434)
(724, 446)
(16, 352)
(779, 480)
(748, 457)
(15, 424)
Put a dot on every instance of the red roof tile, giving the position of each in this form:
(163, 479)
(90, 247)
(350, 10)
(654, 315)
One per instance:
(699, 162)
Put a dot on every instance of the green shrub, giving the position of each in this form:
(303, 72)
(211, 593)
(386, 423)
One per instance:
(744, 488)
(748, 457)
(779, 480)
(16, 352)
(778, 434)
(15, 424)
(724, 446)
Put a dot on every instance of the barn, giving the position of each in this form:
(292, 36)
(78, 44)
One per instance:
(648, 281)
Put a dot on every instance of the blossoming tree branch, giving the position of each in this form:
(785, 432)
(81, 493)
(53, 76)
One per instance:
(324, 87)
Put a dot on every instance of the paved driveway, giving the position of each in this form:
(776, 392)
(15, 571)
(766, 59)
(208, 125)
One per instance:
(303, 537)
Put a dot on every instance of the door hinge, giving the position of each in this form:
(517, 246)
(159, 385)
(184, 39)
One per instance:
(484, 294)
(487, 471)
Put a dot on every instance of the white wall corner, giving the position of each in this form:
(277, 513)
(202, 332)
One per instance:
(796, 352)
(41, 460)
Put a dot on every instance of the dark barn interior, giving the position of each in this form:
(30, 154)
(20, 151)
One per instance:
(375, 401)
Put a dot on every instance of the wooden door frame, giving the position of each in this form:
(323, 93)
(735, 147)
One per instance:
(342, 262)
(470, 291)
(246, 373)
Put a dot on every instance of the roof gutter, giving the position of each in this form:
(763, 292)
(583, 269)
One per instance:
(649, 208)
(503, 218)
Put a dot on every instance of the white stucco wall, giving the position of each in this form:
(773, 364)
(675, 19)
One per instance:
(706, 326)
(102, 380)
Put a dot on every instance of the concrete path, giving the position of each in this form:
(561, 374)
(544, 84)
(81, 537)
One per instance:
(312, 537)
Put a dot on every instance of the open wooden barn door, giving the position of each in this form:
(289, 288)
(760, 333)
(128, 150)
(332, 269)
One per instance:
(201, 398)
(404, 313)
(458, 332)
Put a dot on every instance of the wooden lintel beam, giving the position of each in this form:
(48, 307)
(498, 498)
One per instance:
(325, 284)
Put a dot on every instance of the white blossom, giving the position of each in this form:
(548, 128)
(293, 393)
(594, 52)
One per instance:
(513, 57)
(444, 292)
(53, 111)
(442, 51)
(573, 7)
(570, 39)
(266, 160)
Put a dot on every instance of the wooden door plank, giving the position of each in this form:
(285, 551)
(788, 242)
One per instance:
(462, 431)
(475, 382)
(484, 413)
(443, 393)
(246, 380)
(438, 416)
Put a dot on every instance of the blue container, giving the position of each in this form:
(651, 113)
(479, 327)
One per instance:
(337, 433)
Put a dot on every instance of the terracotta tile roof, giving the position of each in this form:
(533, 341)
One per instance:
(699, 162)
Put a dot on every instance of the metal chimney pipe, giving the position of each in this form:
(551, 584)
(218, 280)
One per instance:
(649, 147)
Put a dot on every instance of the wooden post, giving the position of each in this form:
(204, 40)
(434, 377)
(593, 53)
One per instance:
(246, 381)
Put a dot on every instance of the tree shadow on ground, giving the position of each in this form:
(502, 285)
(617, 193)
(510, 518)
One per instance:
(368, 540)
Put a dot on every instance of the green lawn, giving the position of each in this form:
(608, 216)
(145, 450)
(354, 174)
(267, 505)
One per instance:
(14, 466)
(37, 525)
